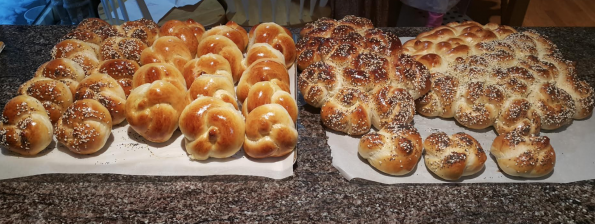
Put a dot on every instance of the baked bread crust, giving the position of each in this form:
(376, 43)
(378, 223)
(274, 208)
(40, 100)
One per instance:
(455, 156)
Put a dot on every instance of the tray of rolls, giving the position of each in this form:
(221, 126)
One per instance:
(464, 102)
(141, 99)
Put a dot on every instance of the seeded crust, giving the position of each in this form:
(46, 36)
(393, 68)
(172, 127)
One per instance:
(524, 156)
(455, 156)
(84, 127)
(122, 70)
(26, 128)
(105, 90)
(121, 48)
(55, 96)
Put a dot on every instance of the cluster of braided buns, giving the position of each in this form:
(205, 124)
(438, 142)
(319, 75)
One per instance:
(155, 78)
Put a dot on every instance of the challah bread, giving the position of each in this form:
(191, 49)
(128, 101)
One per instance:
(360, 24)
(367, 71)
(82, 35)
(84, 54)
(212, 128)
(441, 101)
(213, 64)
(348, 111)
(85, 127)
(142, 29)
(231, 30)
(555, 105)
(270, 132)
(394, 150)
(580, 91)
(524, 156)
(268, 92)
(182, 31)
(455, 156)
(105, 90)
(100, 27)
(63, 70)
(383, 43)
(319, 82)
(223, 46)
(278, 37)
(341, 53)
(262, 51)
(263, 70)
(320, 28)
(121, 70)
(26, 128)
(197, 29)
(479, 105)
(518, 114)
(391, 105)
(159, 71)
(310, 50)
(121, 48)
(54, 95)
(169, 50)
(217, 86)
(411, 75)
(153, 110)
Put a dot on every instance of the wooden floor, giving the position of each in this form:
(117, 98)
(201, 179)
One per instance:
(550, 13)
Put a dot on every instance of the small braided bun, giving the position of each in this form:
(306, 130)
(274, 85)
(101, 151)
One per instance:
(105, 90)
(270, 132)
(85, 127)
(524, 156)
(451, 157)
(269, 93)
(54, 95)
(26, 128)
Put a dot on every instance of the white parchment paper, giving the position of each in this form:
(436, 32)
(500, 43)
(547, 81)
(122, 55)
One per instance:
(574, 146)
(126, 152)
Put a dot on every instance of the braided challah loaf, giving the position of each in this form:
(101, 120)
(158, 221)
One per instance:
(231, 30)
(212, 128)
(63, 70)
(159, 71)
(278, 37)
(524, 156)
(263, 70)
(518, 114)
(270, 132)
(121, 48)
(121, 70)
(169, 50)
(212, 64)
(85, 127)
(26, 128)
(268, 92)
(319, 82)
(182, 31)
(105, 90)
(55, 96)
(223, 46)
(217, 86)
(451, 157)
(555, 105)
(479, 105)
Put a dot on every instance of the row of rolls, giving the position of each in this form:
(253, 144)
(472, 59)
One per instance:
(159, 79)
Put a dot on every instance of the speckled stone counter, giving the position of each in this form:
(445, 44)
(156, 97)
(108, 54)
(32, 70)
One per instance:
(316, 193)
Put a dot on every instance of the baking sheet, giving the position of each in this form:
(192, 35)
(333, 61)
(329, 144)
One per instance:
(126, 152)
(574, 146)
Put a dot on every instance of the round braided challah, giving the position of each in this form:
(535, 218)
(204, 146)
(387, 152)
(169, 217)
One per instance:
(85, 127)
(455, 156)
(26, 128)
(270, 132)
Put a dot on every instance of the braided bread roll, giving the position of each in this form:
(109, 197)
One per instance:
(223, 46)
(518, 114)
(348, 111)
(524, 156)
(212, 128)
(63, 70)
(121, 70)
(159, 71)
(269, 93)
(391, 106)
(322, 27)
(100, 27)
(213, 64)
(105, 90)
(319, 82)
(182, 31)
(555, 105)
(153, 110)
(82, 35)
(310, 50)
(84, 54)
(263, 70)
(216, 86)
(26, 128)
(121, 48)
(142, 29)
(55, 96)
(412, 76)
(231, 30)
(270, 132)
(197, 29)
(278, 37)
(383, 43)
(169, 50)
(455, 156)
(394, 150)
(479, 106)
(442, 99)
(262, 51)
(85, 127)
(580, 91)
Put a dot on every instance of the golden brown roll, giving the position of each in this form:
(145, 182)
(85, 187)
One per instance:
(169, 50)
(223, 46)
(263, 70)
(63, 70)
(84, 54)
(121, 70)
(262, 51)
(231, 30)
(348, 111)
(105, 90)
(391, 105)
(85, 127)
(278, 37)
(441, 101)
(524, 156)
(26, 128)
(54, 95)
(212, 128)
(268, 92)
(217, 86)
(394, 150)
(159, 71)
(518, 114)
(319, 82)
(455, 156)
(309, 50)
(580, 91)
(555, 105)
(181, 30)
(270, 132)
(142, 29)
(121, 48)
(197, 29)
(212, 64)
(153, 110)
(412, 76)
(479, 106)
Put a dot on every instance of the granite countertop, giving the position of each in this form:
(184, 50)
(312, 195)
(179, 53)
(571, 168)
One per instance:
(316, 193)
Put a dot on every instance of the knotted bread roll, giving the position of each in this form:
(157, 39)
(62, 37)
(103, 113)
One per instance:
(85, 127)
(197, 29)
(270, 132)
(182, 31)
(518, 114)
(153, 110)
(524, 156)
(223, 46)
(82, 35)
(262, 51)
(54, 95)
(394, 150)
(121, 70)
(411, 75)
(63, 70)
(278, 37)
(105, 90)
(391, 105)
(479, 106)
(26, 128)
(212, 128)
(100, 27)
(84, 54)
(319, 82)
(213, 64)
(121, 48)
(310, 50)
(580, 91)
(348, 111)
(169, 50)
(217, 86)
(455, 156)
(555, 105)
(231, 30)
(142, 29)
(268, 92)
(159, 71)
(263, 70)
